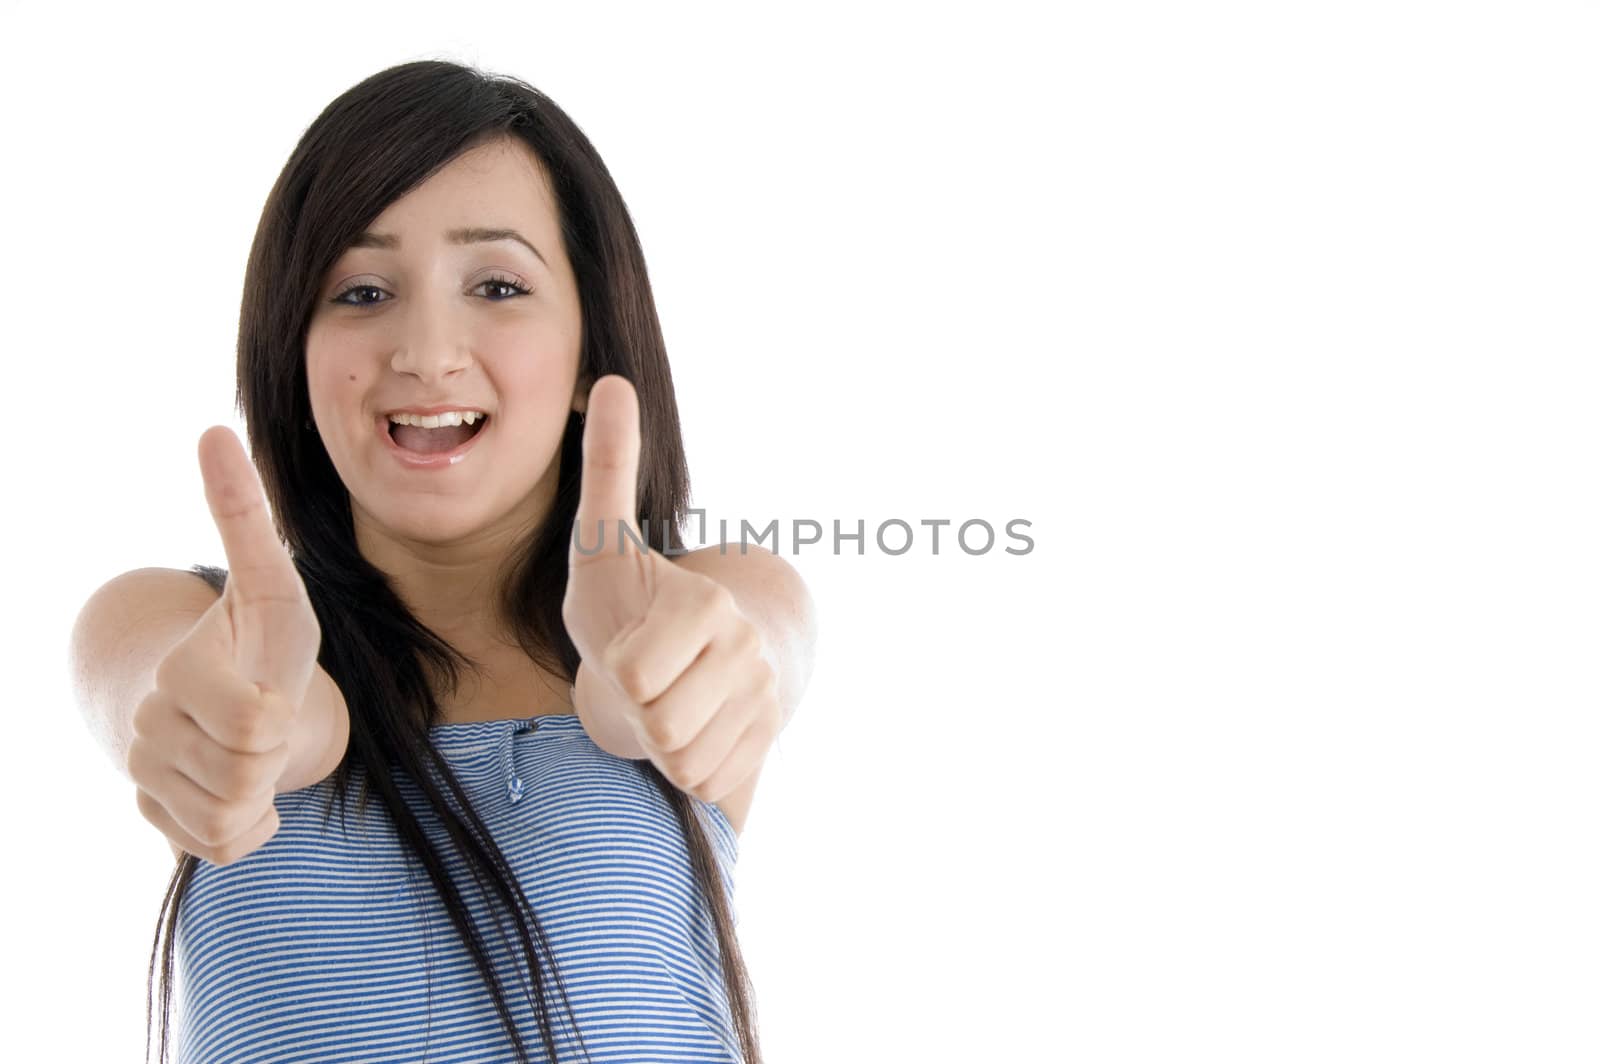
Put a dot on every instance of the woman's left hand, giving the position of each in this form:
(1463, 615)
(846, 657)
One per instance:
(677, 660)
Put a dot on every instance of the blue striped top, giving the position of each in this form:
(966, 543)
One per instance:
(330, 944)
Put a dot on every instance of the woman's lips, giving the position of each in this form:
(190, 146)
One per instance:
(439, 460)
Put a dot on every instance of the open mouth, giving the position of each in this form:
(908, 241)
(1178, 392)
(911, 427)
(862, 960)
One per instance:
(417, 440)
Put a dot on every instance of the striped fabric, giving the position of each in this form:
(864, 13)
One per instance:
(328, 944)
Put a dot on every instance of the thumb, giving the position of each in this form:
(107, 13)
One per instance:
(274, 626)
(608, 496)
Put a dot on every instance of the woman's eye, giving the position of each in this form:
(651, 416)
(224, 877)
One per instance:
(504, 283)
(340, 298)
(507, 289)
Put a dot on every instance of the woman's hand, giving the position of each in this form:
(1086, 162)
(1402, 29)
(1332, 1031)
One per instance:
(686, 671)
(212, 741)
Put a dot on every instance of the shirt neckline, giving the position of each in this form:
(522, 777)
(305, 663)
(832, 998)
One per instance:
(535, 723)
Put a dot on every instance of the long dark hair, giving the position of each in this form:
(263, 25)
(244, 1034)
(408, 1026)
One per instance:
(369, 147)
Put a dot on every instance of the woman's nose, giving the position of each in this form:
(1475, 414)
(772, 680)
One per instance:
(432, 346)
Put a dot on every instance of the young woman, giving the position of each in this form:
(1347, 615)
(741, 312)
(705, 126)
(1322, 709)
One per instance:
(473, 631)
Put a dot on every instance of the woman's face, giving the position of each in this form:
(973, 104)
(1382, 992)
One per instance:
(423, 312)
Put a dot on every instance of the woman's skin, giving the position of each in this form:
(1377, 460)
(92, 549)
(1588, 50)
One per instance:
(442, 323)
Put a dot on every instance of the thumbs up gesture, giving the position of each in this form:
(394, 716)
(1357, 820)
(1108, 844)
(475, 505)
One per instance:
(672, 654)
(212, 740)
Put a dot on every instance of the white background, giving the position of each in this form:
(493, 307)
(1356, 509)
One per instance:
(1277, 321)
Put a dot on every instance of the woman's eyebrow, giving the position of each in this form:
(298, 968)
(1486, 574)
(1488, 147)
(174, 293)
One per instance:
(469, 235)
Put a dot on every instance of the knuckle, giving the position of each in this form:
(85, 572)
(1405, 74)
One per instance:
(239, 777)
(168, 671)
(198, 750)
(252, 728)
(220, 822)
(661, 731)
(149, 808)
(631, 678)
(668, 767)
(209, 830)
(748, 640)
(677, 767)
(147, 714)
(717, 596)
(139, 719)
(136, 760)
(229, 731)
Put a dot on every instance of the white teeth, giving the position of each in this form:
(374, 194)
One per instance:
(433, 421)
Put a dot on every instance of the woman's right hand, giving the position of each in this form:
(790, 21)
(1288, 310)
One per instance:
(212, 740)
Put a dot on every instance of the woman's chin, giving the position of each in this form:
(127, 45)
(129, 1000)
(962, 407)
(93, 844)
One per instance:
(431, 521)
(448, 525)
